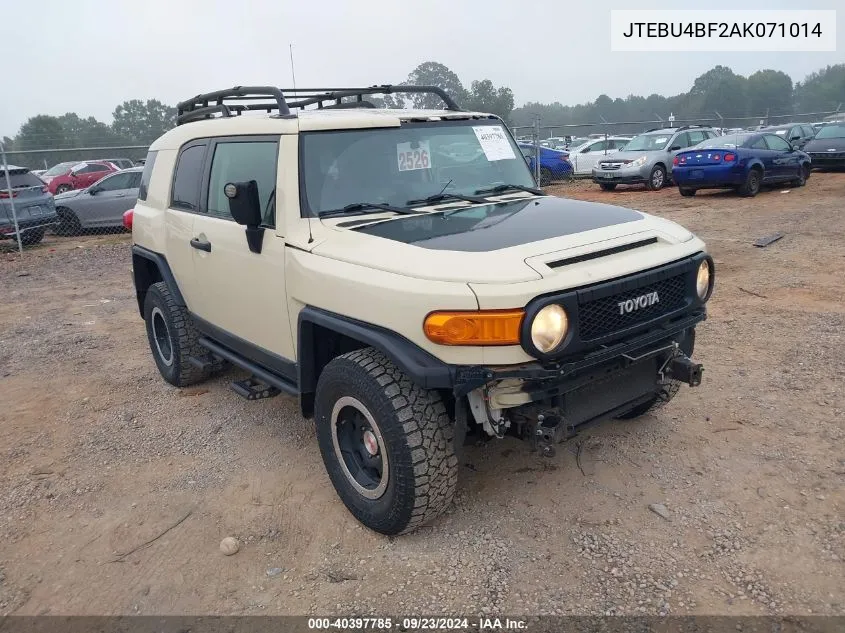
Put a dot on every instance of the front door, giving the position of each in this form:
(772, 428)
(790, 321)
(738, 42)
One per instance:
(109, 198)
(784, 158)
(242, 294)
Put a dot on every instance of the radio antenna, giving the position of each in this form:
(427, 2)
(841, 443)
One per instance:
(293, 76)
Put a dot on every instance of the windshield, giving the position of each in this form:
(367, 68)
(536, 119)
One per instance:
(397, 165)
(648, 142)
(831, 131)
(57, 170)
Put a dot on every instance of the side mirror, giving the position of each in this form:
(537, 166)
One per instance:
(93, 191)
(245, 207)
(675, 148)
(795, 138)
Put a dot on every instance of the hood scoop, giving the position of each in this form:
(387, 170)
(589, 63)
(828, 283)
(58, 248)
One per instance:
(560, 263)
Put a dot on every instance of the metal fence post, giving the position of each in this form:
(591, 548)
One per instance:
(537, 171)
(11, 197)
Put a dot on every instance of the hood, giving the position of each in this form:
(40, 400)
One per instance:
(69, 194)
(487, 243)
(824, 145)
(636, 153)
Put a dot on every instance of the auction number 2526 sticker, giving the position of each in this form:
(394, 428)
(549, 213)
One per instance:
(411, 158)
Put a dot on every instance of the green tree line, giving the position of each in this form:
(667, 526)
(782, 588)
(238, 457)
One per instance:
(719, 90)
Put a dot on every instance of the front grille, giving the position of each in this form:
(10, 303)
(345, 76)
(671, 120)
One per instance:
(601, 317)
(827, 155)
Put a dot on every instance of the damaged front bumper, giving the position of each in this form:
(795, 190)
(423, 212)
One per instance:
(546, 403)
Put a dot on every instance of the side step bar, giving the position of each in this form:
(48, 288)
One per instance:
(265, 376)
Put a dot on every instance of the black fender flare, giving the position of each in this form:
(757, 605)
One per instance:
(423, 368)
(143, 278)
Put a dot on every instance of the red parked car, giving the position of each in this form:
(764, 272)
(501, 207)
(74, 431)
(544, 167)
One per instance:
(78, 176)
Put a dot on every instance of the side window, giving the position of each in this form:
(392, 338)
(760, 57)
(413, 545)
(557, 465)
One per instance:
(134, 180)
(777, 143)
(808, 131)
(596, 147)
(760, 143)
(695, 137)
(114, 183)
(94, 168)
(186, 181)
(146, 175)
(682, 140)
(239, 162)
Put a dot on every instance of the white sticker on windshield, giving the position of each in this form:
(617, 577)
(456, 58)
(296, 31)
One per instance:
(780, 132)
(661, 139)
(411, 158)
(494, 141)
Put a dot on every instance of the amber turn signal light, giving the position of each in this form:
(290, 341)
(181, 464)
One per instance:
(489, 327)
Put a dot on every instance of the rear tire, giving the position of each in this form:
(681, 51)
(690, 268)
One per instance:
(686, 193)
(545, 176)
(751, 186)
(69, 223)
(657, 178)
(387, 444)
(34, 236)
(172, 337)
(605, 186)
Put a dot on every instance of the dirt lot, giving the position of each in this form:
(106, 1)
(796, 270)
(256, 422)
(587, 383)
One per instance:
(98, 456)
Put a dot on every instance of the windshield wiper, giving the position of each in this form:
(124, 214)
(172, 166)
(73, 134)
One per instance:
(365, 207)
(440, 197)
(503, 188)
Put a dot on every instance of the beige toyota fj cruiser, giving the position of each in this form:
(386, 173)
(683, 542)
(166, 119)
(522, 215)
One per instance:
(397, 272)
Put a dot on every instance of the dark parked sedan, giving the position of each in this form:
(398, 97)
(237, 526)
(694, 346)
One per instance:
(798, 134)
(827, 149)
(100, 205)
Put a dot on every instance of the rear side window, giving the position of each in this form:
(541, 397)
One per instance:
(240, 162)
(146, 175)
(20, 180)
(186, 182)
(92, 168)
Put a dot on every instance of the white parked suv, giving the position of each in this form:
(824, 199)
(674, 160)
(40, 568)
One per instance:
(406, 293)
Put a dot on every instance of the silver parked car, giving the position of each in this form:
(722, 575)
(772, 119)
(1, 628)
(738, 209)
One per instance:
(100, 205)
(648, 158)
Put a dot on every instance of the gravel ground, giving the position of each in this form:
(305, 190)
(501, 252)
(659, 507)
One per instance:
(116, 489)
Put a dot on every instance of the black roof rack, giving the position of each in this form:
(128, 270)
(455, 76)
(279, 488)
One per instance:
(235, 101)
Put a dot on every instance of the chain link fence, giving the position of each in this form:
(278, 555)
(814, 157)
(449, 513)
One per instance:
(79, 193)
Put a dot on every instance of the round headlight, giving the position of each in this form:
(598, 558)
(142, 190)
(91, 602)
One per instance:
(549, 327)
(702, 282)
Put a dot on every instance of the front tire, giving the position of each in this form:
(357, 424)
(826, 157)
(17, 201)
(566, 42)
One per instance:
(657, 178)
(686, 193)
(172, 337)
(63, 189)
(607, 186)
(387, 444)
(545, 176)
(803, 174)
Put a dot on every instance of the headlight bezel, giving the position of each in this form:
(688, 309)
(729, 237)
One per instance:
(560, 337)
(639, 162)
(711, 278)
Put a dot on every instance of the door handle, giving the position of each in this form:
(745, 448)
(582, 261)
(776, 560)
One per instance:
(201, 245)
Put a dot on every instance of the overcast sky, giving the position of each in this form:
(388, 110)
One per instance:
(87, 56)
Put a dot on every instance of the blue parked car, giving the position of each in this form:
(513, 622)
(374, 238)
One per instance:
(554, 164)
(743, 162)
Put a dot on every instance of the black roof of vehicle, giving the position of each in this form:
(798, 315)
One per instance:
(205, 106)
(12, 168)
(784, 126)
